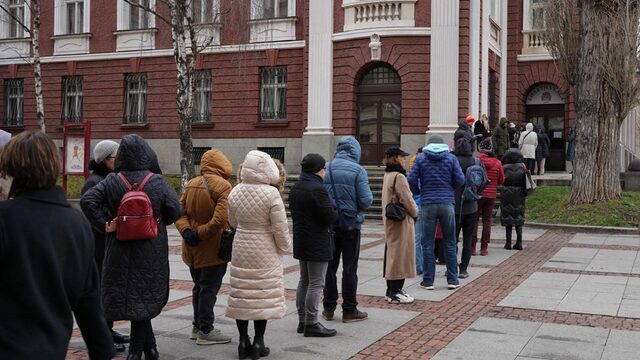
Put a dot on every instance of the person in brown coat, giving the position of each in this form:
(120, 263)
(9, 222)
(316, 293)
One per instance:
(205, 203)
(400, 251)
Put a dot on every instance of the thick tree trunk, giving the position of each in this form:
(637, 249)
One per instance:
(37, 71)
(596, 174)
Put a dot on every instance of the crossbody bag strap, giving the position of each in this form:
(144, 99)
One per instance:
(144, 181)
(333, 186)
(394, 186)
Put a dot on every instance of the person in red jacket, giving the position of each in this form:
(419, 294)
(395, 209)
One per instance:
(495, 173)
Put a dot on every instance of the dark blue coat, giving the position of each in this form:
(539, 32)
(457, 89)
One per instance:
(435, 175)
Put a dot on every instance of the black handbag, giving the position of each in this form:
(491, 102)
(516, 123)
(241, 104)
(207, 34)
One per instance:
(394, 210)
(226, 244)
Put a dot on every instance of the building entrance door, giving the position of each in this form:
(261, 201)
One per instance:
(379, 97)
(545, 108)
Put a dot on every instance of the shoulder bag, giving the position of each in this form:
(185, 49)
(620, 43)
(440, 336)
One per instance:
(395, 210)
(226, 241)
(529, 184)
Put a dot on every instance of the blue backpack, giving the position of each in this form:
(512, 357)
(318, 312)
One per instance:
(476, 181)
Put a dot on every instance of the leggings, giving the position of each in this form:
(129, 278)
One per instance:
(260, 327)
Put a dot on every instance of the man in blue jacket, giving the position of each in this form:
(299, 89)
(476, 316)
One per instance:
(348, 184)
(435, 175)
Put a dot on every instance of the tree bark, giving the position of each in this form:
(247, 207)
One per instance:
(37, 71)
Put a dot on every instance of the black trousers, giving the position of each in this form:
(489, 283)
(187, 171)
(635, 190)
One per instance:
(206, 284)
(347, 245)
(142, 337)
(465, 223)
(393, 286)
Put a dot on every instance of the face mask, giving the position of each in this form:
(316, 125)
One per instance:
(5, 186)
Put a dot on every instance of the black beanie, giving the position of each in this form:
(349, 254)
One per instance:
(312, 163)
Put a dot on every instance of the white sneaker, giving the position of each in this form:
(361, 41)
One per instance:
(409, 297)
(399, 298)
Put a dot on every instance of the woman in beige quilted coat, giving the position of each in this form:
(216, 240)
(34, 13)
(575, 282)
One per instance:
(257, 212)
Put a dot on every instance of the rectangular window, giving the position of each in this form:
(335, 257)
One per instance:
(496, 11)
(14, 101)
(273, 93)
(72, 97)
(204, 12)
(537, 14)
(139, 17)
(202, 96)
(17, 18)
(136, 99)
(75, 16)
(269, 9)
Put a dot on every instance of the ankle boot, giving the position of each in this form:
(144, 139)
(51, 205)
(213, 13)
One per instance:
(518, 245)
(152, 354)
(259, 349)
(484, 248)
(507, 245)
(474, 242)
(244, 347)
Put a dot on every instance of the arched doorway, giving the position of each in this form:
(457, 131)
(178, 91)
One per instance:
(545, 108)
(379, 96)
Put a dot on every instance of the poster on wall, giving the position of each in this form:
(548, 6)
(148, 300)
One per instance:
(75, 150)
(74, 155)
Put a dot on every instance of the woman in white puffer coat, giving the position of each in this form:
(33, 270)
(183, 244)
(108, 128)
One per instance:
(528, 143)
(257, 212)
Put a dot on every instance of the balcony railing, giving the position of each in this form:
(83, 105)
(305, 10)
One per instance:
(533, 42)
(367, 14)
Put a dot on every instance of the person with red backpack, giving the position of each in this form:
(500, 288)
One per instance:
(495, 173)
(135, 278)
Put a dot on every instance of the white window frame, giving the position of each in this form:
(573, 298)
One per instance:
(14, 102)
(203, 83)
(136, 98)
(60, 15)
(257, 9)
(7, 21)
(528, 14)
(273, 108)
(124, 16)
(495, 12)
(212, 6)
(72, 98)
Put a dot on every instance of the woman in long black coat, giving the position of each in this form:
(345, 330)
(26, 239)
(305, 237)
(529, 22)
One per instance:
(512, 196)
(135, 279)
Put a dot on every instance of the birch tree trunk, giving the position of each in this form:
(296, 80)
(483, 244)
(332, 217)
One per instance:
(37, 71)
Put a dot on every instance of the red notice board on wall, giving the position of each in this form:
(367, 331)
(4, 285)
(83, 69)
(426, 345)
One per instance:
(75, 150)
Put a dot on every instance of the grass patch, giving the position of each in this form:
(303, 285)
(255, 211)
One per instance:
(75, 183)
(549, 204)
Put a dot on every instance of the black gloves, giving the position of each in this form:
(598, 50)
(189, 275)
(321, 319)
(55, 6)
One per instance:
(191, 237)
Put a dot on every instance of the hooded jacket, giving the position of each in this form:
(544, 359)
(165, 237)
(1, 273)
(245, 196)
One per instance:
(352, 191)
(500, 138)
(528, 142)
(257, 212)
(512, 197)
(542, 150)
(495, 173)
(435, 175)
(99, 172)
(464, 139)
(135, 276)
(205, 212)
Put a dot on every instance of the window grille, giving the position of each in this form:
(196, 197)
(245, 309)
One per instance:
(197, 154)
(72, 97)
(269, 9)
(202, 96)
(138, 17)
(380, 75)
(14, 101)
(136, 99)
(273, 94)
(17, 21)
(75, 16)
(274, 152)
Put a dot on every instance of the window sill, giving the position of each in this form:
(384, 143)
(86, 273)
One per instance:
(271, 124)
(73, 35)
(15, 48)
(135, 39)
(12, 127)
(203, 125)
(273, 29)
(134, 126)
(68, 44)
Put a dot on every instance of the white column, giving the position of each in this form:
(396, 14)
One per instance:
(445, 39)
(318, 136)
(503, 59)
(486, 34)
(474, 60)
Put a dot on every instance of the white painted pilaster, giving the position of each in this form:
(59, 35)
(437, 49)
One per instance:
(445, 51)
(503, 60)
(486, 34)
(474, 60)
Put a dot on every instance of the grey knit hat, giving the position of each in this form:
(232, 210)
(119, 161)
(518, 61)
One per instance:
(103, 149)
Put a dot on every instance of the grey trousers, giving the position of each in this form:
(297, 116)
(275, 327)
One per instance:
(310, 286)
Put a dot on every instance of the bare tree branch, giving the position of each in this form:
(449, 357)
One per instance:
(16, 19)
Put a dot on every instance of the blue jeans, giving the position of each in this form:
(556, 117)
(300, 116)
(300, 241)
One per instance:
(419, 232)
(431, 215)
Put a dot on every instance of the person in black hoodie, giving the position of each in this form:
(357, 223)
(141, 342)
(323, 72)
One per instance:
(48, 274)
(313, 215)
(512, 196)
(103, 163)
(135, 274)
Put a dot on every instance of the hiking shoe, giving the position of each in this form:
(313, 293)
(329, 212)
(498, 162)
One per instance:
(452, 286)
(355, 316)
(213, 337)
(194, 333)
(327, 315)
(427, 286)
(463, 274)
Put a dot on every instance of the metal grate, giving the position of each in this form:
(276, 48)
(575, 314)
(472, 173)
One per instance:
(381, 74)
(197, 154)
(202, 96)
(136, 99)
(14, 101)
(273, 94)
(274, 152)
(72, 97)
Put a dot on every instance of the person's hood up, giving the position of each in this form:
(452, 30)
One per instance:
(512, 156)
(503, 121)
(464, 126)
(214, 162)
(259, 168)
(135, 153)
(348, 148)
(436, 152)
(529, 126)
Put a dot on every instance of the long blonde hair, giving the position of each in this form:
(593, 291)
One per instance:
(485, 121)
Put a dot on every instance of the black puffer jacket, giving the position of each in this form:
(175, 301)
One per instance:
(464, 140)
(312, 214)
(542, 150)
(512, 197)
(99, 172)
(135, 278)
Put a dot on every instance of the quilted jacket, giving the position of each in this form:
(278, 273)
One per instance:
(206, 211)
(512, 197)
(257, 212)
(436, 175)
(352, 191)
(495, 173)
(135, 274)
(528, 142)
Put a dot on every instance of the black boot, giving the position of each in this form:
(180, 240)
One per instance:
(518, 245)
(152, 354)
(258, 349)
(244, 347)
(135, 356)
(119, 338)
(318, 330)
(507, 245)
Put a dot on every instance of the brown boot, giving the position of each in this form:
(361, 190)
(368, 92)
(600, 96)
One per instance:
(484, 248)
(474, 242)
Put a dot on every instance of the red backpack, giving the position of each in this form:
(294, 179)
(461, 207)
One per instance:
(135, 213)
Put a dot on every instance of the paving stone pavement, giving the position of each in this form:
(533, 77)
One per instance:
(565, 296)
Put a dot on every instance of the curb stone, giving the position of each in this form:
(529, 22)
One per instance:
(586, 228)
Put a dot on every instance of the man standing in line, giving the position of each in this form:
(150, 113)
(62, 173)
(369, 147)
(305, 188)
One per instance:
(348, 184)
(436, 175)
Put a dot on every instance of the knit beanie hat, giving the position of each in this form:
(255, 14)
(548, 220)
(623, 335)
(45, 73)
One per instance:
(485, 146)
(312, 163)
(103, 149)
(435, 139)
(4, 138)
(470, 119)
